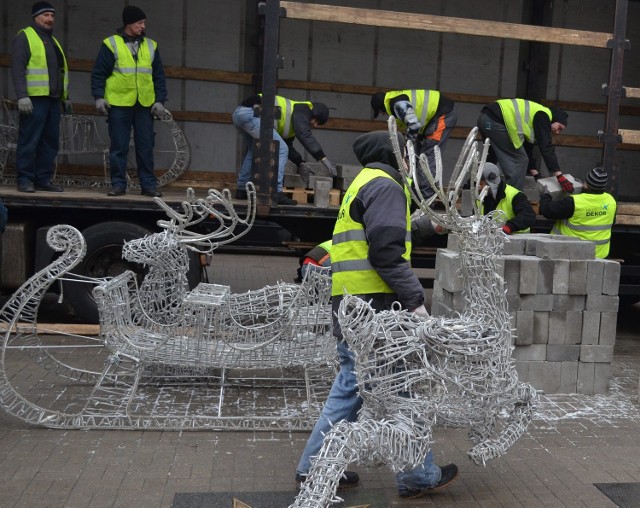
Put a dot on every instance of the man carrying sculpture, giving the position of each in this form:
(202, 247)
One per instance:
(370, 256)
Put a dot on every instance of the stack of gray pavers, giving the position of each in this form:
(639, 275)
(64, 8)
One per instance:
(563, 304)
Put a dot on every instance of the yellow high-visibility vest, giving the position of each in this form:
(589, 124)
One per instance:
(424, 102)
(518, 119)
(37, 69)
(130, 81)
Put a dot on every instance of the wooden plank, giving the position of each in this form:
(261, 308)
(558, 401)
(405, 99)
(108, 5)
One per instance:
(631, 93)
(630, 136)
(628, 220)
(414, 21)
(70, 328)
(628, 209)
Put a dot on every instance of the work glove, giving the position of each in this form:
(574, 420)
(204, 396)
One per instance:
(67, 107)
(25, 106)
(566, 185)
(421, 311)
(330, 166)
(506, 229)
(102, 106)
(158, 110)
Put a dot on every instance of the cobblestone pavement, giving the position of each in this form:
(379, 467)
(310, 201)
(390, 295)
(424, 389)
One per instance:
(574, 442)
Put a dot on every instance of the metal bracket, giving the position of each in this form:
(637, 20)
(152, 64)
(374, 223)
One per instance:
(626, 44)
(262, 6)
(605, 137)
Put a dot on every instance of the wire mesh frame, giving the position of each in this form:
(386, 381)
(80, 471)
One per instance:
(414, 373)
(79, 136)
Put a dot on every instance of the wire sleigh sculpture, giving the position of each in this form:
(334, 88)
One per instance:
(158, 334)
(414, 373)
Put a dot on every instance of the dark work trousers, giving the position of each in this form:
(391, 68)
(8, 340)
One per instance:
(38, 141)
(121, 121)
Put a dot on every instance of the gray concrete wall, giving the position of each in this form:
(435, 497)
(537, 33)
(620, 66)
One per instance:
(221, 34)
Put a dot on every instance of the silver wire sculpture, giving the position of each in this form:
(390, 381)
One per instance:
(79, 135)
(415, 373)
(158, 333)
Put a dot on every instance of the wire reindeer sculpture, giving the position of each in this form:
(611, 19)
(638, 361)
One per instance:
(416, 373)
(157, 332)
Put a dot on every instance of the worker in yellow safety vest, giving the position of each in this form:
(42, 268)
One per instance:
(589, 215)
(41, 80)
(425, 116)
(370, 253)
(514, 127)
(513, 204)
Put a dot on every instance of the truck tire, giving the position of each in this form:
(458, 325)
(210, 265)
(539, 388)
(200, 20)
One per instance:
(103, 259)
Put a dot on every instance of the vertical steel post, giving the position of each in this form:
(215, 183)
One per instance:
(265, 163)
(614, 92)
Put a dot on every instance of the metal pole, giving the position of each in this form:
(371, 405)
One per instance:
(265, 164)
(614, 92)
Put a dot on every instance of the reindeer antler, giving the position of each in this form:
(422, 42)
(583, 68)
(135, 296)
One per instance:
(222, 219)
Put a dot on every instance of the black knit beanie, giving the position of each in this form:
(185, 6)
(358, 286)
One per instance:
(597, 179)
(132, 14)
(40, 8)
(320, 112)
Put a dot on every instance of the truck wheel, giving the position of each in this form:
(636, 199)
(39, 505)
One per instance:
(103, 259)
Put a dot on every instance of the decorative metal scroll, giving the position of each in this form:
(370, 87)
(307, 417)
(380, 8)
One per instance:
(414, 373)
(79, 135)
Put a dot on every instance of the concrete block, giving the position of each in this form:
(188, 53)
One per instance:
(540, 327)
(552, 248)
(557, 327)
(440, 309)
(309, 169)
(608, 327)
(602, 303)
(568, 377)
(536, 374)
(537, 302)
(294, 181)
(602, 378)
(595, 272)
(552, 372)
(290, 168)
(566, 303)
(348, 170)
(448, 269)
(534, 352)
(582, 249)
(573, 327)
(560, 277)
(317, 178)
(563, 353)
(545, 276)
(551, 185)
(342, 183)
(577, 277)
(611, 278)
(321, 188)
(512, 273)
(524, 325)
(529, 275)
(586, 375)
(453, 243)
(522, 368)
(513, 302)
(514, 246)
(590, 327)
(596, 354)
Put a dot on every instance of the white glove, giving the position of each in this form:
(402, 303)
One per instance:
(102, 106)
(330, 166)
(421, 311)
(25, 106)
(159, 111)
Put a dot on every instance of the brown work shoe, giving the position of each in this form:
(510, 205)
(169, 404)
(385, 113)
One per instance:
(449, 475)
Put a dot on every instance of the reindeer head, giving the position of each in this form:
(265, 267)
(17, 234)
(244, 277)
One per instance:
(469, 167)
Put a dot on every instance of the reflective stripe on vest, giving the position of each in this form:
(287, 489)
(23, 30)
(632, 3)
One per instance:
(130, 81)
(424, 102)
(592, 220)
(518, 119)
(352, 271)
(283, 125)
(37, 69)
(505, 205)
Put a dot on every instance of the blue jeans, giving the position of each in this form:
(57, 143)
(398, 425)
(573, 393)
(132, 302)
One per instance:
(249, 126)
(38, 142)
(121, 121)
(344, 403)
